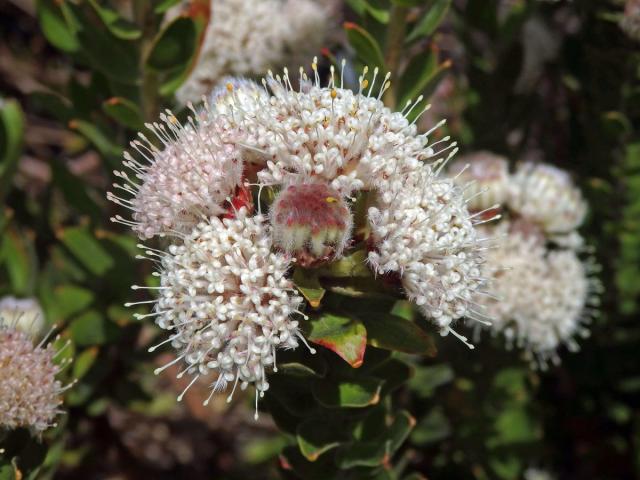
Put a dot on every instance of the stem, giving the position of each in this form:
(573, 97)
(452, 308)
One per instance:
(144, 16)
(395, 41)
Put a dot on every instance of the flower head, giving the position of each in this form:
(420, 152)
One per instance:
(630, 21)
(422, 230)
(30, 393)
(192, 178)
(311, 222)
(540, 297)
(249, 37)
(23, 314)
(343, 142)
(545, 194)
(225, 295)
(487, 177)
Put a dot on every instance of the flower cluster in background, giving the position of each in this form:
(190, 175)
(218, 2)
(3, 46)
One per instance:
(541, 292)
(250, 37)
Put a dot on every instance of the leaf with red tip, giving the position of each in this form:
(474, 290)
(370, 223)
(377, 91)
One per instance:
(365, 45)
(345, 336)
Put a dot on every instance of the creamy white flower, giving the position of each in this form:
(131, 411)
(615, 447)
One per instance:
(485, 176)
(191, 178)
(225, 296)
(545, 194)
(30, 393)
(542, 295)
(24, 314)
(236, 97)
(249, 37)
(537, 474)
(630, 20)
(422, 230)
(347, 139)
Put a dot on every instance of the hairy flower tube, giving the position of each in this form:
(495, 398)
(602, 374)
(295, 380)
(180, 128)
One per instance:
(249, 37)
(30, 393)
(541, 298)
(225, 296)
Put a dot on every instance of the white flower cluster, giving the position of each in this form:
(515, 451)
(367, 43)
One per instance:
(225, 295)
(486, 176)
(541, 294)
(545, 195)
(630, 20)
(224, 290)
(249, 37)
(348, 139)
(421, 227)
(30, 393)
(25, 314)
(423, 230)
(189, 180)
(540, 291)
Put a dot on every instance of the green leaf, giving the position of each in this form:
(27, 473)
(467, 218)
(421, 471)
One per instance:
(55, 26)
(395, 373)
(431, 428)
(345, 336)
(506, 467)
(16, 257)
(11, 133)
(395, 333)
(118, 26)
(124, 112)
(427, 379)
(87, 250)
(365, 45)
(362, 7)
(69, 300)
(357, 393)
(514, 425)
(173, 46)
(416, 76)
(430, 21)
(315, 438)
(83, 362)
(309, 286)
(90, 328)
(349, 266)
(75, 191)
(165, 5)
(109, 55)
(362, 454)
(299, 363)
(99, 139)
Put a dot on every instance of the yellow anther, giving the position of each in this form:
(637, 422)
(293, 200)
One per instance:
(230, 87)
(365, 83)
(331, 199)
(334, 93)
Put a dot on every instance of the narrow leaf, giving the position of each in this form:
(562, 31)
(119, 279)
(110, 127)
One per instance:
(365, 45)
(124, 112)
(431, 20)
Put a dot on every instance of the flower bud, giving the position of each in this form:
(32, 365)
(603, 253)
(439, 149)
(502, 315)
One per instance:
(311, 221)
